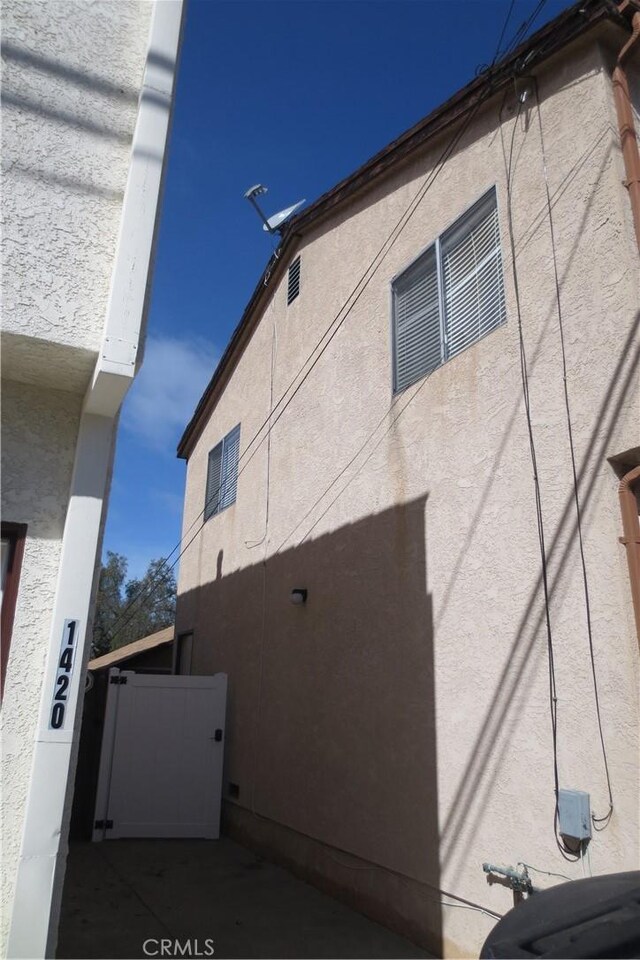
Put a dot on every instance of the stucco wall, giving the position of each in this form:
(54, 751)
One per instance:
(39, 432)
(71, 77)
(429, 758)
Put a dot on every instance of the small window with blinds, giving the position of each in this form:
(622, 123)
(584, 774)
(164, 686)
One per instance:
(293, 285)
(450, 297)
(222, 474)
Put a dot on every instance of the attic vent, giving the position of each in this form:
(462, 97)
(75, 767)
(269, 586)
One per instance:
(293, 288)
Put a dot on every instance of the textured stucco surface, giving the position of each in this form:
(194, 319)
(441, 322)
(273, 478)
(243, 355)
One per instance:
(39, 432)
(46, 364)
(70, 82)
(71, 75)
(421, 741)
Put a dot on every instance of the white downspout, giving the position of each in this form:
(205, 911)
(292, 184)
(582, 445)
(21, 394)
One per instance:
(40, 873)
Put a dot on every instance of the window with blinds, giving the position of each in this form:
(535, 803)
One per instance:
(222, 474)
(450, 297)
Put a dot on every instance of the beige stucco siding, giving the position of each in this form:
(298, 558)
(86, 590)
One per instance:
(402, 715)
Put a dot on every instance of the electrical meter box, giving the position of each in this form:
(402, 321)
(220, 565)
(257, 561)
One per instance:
(574, 814)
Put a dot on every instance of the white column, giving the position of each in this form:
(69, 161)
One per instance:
(33, 922)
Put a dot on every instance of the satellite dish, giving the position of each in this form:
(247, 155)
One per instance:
(273, 224)
(278, 219)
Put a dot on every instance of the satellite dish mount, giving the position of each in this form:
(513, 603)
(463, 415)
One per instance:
(274, 223)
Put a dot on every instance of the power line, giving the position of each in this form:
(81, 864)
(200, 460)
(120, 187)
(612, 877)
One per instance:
(520, 33)
(503, 31)
(344, 469)
(553, 699)
(329, 333)
(566, 853)
(548, 873)
(337, 321)
(576, 495)
(524, 27)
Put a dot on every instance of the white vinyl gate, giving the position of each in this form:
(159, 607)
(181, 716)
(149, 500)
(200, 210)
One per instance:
(161, 759)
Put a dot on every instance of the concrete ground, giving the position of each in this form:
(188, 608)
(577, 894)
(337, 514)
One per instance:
(120, 893)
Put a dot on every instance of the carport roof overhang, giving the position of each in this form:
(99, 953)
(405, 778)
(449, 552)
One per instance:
(124, 653)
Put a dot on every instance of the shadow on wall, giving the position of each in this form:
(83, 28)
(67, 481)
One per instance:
(331, 727)
(89, 120)
(482, 768)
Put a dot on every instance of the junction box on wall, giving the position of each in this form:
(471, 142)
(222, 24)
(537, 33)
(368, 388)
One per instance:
(574, 815)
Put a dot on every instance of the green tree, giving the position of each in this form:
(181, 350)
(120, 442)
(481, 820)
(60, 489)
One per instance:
(109, 602)
(151, 602)
(127, 610)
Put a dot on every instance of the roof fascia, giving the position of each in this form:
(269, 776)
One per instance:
(558, 33)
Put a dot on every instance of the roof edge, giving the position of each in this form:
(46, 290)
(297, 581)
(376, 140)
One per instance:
(569, 25)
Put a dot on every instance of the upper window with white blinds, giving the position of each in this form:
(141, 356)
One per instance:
(451, 296)
(222, 474)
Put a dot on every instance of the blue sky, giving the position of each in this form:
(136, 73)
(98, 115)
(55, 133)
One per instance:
(294, 94)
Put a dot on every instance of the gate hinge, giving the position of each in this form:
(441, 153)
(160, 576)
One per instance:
(103, 825)
(117, 679)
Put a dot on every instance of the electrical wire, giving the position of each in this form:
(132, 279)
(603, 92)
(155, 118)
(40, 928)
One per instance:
(365, 280)
(251, 544)
(466, 906)
(568, 854)
(344, 469)
(524, 27)
(333, 327)
(576, 495)
(389, 428)
(274, 346)
(331, 331)
(276, 255)
(504, 30)
(328, 336)
(518, 36)
(368, 867)
(548, 873)
(553, 699)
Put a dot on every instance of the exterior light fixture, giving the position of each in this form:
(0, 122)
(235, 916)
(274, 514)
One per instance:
(298, 595)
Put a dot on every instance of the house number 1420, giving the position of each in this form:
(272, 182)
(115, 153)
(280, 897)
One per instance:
(63, 675)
